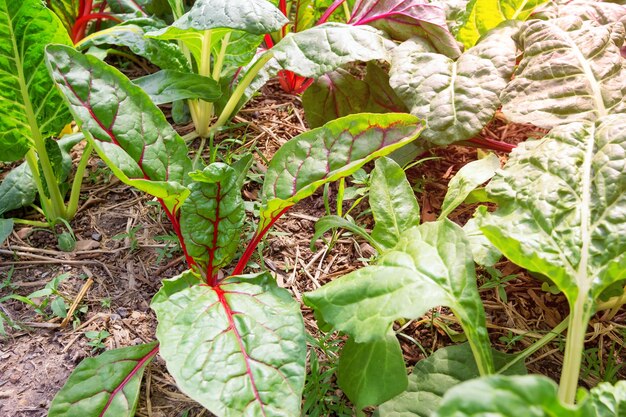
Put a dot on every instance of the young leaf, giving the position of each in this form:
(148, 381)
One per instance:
(212, 216)
(237, 348)
(326, 223)
(505, 396)
(403, 19)
(562, 213)
(339, 93)
(393, 203)
(31, 107)
(485, 15)
(483, 251)
(592, 83)
(129, 132)
(466, 180)
(167, 86)
(431, 266)
(373, 372)
(326, 47)
(608, 400)
(457, 98)
(106, 386)
(329, 153)
(435, 375)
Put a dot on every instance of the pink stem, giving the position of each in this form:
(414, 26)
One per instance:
(330, 11)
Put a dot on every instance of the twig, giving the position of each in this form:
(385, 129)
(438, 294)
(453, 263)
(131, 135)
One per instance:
(77, 300)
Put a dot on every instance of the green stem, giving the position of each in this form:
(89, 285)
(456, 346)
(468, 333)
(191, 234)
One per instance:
(204, 110)
(34, 223)
(346, 11)
(613, 304)
(72, 206)
(198, 155)
(233, 101)
(219, 62)
(190, 136)
(482, 356)
(31, 160)
(574, 347)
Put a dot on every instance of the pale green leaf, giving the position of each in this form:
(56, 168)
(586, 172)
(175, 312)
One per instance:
(483, 251)
(167, 86)
(608, 400)
(6, 227)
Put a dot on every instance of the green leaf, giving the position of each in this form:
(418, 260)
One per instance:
(17, 189)
(237, 348)
(6, 227)
(162, 53)
(212, 216)
(31, 107)
(562, 207)
(340, 93)
(167, 86)
(591, 85)
(456, 98)
(326, 223)
(608, 400)
(431, 266)
(466, 180)
(484, 15)
(128, 131)
(107, 385)
(435, 375)
(373, 372)
(326, 47)
(483, 251)
(331, 152)
(59, 308)
(393, 203)
(505, 396)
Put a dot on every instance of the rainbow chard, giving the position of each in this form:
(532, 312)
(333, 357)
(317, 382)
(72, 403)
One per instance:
(235, 343)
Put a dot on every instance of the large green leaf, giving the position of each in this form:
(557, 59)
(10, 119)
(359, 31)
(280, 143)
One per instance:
(6, 227)
(608, 400)
(162, 53)
(484, 15)
(212, 216)
(435, 375)
(31, 107)
(466, 180)
(17, 189)
(66, 10)
(237, 348)
(605, 13)
(339, 93)
(506, 396)
(572, 70)
(430, 266)
(129, 132)
(372, 372)
(105, 386)
(329, 153)
(168, 86)
(456, 98)
(562, 207)
(393, 203)
(326, 47)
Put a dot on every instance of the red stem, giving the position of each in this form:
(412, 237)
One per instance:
(330, 11)
(247, 254)
(495, 145)
(176, 225)
(78, 32)
(100, 10)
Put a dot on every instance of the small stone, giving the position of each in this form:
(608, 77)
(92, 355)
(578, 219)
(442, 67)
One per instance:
(123, 312)
(96, 236)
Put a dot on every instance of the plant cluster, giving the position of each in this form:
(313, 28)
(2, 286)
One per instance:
(436, 74)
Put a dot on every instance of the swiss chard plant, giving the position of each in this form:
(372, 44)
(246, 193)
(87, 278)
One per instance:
(561, 213)
(233, 342)
(33, 115)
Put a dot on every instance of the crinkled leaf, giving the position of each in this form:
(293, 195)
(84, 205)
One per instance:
(237, 348)
(339, 93)
(162, 53)
(605, 13)
(483, 251)
(484, 15)
(456, 13)
(404, 19)
(466, 180)
(167, 86)
(572, 70)
(326, 47)
(562, 207)
(435, 375)
(6, 227)
(105, 386)
(212, 216)
(373, 372)
(30, 105)
(331, 152)
(608, 400)
(326, 223)
(393, 203)
(457, 98)
(506, 396)
(129, 132)
(430, 266)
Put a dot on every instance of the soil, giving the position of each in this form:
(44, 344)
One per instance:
(121, 254)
